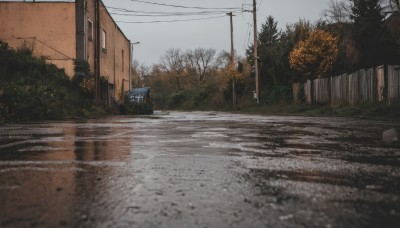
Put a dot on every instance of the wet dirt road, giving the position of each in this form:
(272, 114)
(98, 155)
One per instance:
(199, 169)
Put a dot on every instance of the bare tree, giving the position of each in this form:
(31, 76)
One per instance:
(393, 5)
(144, 71)
(223, 59)
(199, 63)
(136, 75)
(173, 62)
(339, 11)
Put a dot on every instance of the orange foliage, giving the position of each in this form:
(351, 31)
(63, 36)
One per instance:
(232, 73)
(315, 56)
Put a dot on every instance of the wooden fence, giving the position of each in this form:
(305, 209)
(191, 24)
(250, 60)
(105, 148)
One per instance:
(372, 85)
(393, 88)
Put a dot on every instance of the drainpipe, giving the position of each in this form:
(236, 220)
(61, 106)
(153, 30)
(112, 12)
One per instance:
(130, 65)
(115, 83)
(97, 51)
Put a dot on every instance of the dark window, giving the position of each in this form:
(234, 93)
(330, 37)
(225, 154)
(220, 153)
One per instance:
(90, 30)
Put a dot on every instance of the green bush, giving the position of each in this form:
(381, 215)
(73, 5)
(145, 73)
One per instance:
(277, 94)
(202, 97)
(301, 94)
(178, 98)
(31, 89)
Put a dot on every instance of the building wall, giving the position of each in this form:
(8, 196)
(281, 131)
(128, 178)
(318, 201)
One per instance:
(115, 57)
(49, 28)
(63, 31)
(90, 39)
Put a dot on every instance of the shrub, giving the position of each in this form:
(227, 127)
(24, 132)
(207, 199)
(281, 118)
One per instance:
(178, 98)
(31, 89)
(277, 94)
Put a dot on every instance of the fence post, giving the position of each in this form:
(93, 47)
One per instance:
(309, 92)
(380, 83)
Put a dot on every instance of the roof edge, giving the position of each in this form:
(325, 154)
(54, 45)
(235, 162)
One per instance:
(114, 21)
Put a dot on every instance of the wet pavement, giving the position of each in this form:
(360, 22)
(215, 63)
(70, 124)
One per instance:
(199, 169)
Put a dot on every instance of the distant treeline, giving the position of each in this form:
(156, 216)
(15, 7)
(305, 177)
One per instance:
(354, 34)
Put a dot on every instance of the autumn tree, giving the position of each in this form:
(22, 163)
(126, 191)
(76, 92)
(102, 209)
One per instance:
(275, 46)
(314, 56)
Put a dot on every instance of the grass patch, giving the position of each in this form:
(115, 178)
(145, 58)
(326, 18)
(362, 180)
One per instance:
(376, 111)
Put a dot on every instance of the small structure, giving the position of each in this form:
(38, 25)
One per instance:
(139, 95)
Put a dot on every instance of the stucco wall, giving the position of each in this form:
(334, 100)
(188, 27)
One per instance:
(113, 64)
(90, 15)
(48, 27)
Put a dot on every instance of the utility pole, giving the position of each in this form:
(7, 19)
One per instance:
(256, 51)
(231, 63)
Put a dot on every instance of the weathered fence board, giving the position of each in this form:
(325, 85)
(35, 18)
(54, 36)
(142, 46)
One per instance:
(363, 86)
(296, 90)
(308, 90)
(393, 85)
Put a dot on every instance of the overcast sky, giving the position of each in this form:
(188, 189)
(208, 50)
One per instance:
(156, 38)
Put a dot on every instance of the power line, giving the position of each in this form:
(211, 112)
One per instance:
(179, 6)
(119, 10)
(152, 22)
(176, 14)
(248, 34)
(248, 30)
(155, 15)
(259, 4)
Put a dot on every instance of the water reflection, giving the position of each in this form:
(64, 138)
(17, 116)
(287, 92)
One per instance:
(49, 171)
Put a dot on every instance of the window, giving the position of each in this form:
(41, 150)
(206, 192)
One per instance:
(103, 43)
(123, 59)
(90, 30)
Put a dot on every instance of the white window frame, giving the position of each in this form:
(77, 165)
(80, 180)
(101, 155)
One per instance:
(104, 39)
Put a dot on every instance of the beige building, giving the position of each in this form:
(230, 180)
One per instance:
(64, 31)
